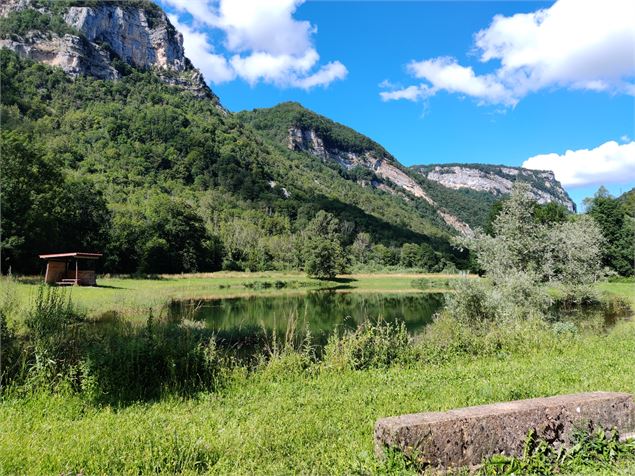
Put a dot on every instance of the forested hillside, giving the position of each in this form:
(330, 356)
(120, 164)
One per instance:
(163, 181)
(122, 148)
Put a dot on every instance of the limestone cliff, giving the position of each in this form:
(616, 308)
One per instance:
(497, 180)
(95, 36)
(392, 177)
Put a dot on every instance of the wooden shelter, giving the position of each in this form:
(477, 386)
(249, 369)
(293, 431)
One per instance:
(71, 269)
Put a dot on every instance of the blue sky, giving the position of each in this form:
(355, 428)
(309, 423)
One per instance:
(463, 96)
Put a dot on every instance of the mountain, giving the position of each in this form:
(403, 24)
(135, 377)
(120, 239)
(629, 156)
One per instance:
(460, 194)
(497, 180)
(126, 145)
(99, 39)
(361, 160)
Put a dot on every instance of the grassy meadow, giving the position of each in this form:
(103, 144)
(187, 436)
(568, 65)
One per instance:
(134, 297)
(289, 415)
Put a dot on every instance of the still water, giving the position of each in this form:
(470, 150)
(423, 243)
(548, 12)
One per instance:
(320, 312)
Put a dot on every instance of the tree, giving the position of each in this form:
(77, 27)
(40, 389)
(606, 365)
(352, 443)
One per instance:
(551, 251)
(42, 210)
(384, 256)
(429, 259)
(361, 247)
(323, 252)
(618, 229)
(161, 235)
(410, 256)
(323, 260)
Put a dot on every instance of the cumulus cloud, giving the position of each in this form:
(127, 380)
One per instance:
(608, 163)
(573, 44)
(215, 68)
(264, 42)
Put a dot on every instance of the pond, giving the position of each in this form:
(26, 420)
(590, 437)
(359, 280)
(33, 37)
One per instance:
(320, 312)
(243, 322)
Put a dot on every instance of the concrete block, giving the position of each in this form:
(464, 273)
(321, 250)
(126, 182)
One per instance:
(466, 436)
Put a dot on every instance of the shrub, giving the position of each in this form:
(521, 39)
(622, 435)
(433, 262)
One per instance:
(369, 346)
(519, 297)
(52, 324)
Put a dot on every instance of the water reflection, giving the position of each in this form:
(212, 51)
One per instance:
(318, 312)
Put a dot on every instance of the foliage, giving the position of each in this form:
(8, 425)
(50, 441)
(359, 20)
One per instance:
(324, 259)
(598, 450)
(526, 253)
(324, 255)
(618, 228)
(19, 23)
(42, 210)
(628, 200)
(137, 143)
(369, 346)
(277, 121)
(556, 251)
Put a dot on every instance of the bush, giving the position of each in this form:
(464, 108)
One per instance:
(517, 298)
(369, 346)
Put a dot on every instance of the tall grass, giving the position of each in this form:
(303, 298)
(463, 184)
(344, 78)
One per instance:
(123, 390)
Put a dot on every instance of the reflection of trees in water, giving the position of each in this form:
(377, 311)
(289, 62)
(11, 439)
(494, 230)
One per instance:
(319, 312)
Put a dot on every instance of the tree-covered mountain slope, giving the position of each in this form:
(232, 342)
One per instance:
(156, 174)
(628, 200)
(358, 158)
(111, 141)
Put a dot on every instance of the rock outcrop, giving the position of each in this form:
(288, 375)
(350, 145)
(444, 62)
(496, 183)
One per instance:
(137, 33)
(392, 177)
(498, 180)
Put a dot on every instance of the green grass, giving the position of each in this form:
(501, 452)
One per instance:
(313, 422)
(624, 290)
(286, 417)
(133, 298)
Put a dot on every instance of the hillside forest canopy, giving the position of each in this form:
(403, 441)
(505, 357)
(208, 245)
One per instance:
(164, 182)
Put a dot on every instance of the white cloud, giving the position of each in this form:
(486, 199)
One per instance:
(324, 76)
(265, 42)
(214, 67)
(412, 93)
(446, 74)
(608, 163)
(577, 44)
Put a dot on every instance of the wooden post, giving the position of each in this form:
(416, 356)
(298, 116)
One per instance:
(76, 271)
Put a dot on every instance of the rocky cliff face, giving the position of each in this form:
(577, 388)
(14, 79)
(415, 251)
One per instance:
(498, 180)
(140, 34)
(392, 178)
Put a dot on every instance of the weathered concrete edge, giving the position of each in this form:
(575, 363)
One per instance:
(389, 432)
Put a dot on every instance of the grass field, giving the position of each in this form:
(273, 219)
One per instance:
(133, 298)
(286, 418)
(302, 422)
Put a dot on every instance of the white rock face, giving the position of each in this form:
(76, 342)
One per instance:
(499, 180)
(307, 140)
(142, 37)
(69, 52)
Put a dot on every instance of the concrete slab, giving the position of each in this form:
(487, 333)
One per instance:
(466, 436)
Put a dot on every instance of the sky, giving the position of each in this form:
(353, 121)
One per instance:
(545, 85)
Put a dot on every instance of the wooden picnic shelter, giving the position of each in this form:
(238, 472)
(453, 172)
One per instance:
(71, 269)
